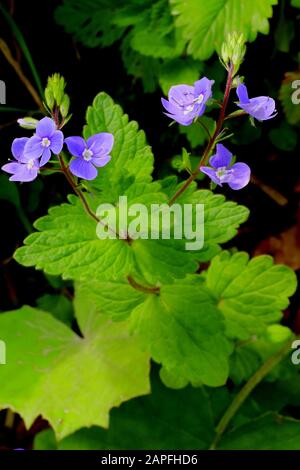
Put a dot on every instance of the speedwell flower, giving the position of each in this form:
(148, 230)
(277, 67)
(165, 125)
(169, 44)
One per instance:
(23, 168)
(187, 102)
(261, 107)
(236, 176)
(46, 139)
(89, 154)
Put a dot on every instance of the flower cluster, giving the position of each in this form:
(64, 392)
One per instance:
(187, 103)
(30, 154)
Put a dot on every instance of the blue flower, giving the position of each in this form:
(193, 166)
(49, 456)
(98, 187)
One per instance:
(46, 139)
(236, 176)
(261, 107)
(24, 168)
(188, 102)
(89, 154)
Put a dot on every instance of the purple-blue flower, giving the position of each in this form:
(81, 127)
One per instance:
(261, 107)
(89, 154)
(24, 168)
(46, 139)
(236, 176)
(187, 102)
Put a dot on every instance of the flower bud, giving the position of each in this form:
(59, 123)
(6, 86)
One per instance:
(232, 51)
(28, 123)
(65, 105)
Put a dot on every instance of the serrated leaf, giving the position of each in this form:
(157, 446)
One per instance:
(164, 420)
(155, 35)
(90, 21)
(268, 432)
(177, 71)
(206, 24)
(251, 294)
(180, 326)
(71, 381)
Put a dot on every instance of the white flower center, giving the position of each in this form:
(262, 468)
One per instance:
(199, 99)
(222, 172)
(45, 142)
(87, 154)
(30, 164)
(190, 106)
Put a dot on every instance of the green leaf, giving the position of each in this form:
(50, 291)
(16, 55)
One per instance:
(139, 66)
(196, 134)
(180, 327)
(243, 363)
(290, 97)
(206, 24)
(60, 307)
(166, 419)
(251, 294)
(71, 381)
(284, 137)
(154, 35)
(268, 432)
(178, 71)
(90, 22)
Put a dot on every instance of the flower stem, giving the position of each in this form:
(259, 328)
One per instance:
(240, 398)
(17, 68)
(212, 140)
(146, 290)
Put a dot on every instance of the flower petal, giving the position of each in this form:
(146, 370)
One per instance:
(101, 144)
(240, 176)
(20, 172)
(179, 95)
(242, 93)
(83, 169)
(76, 145)
(10, 167)
(17, 148)
(171, 108)
(46, 127)
(211, 173)
(222, 157)
(57, 142)
(33, 148)
(101, 161)
(45, 157)
(203, 87)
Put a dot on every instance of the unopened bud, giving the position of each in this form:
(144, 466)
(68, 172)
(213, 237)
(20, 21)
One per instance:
(28, 123)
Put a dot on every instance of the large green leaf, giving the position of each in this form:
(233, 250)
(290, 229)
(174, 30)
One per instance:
(71, 381)
(180, 326)
(206, 24)
(251, 294)
(268, 432)
(166, 419)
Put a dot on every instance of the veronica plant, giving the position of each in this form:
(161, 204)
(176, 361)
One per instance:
(203, 315)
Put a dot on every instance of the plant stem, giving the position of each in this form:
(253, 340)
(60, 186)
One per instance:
(211, 141)
(81, 196)
(146, 290)
(240, 398)
(17, 68)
